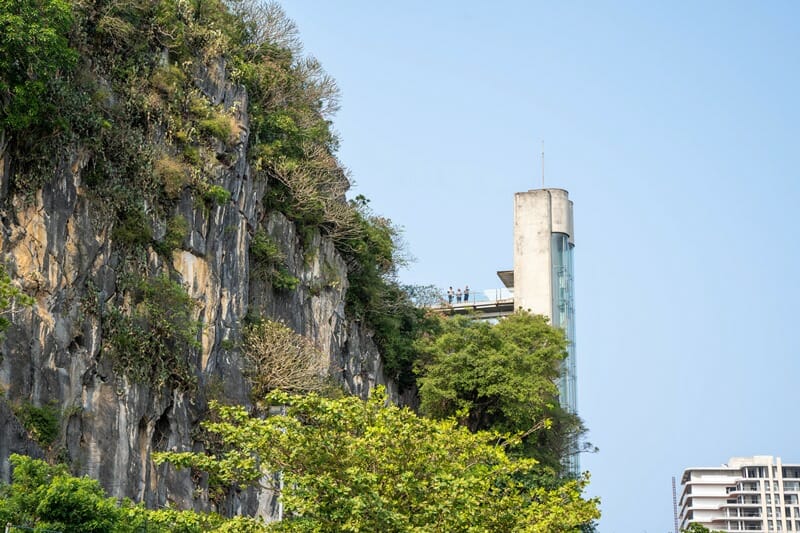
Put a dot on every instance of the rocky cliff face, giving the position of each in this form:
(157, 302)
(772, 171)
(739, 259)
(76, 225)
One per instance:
(59, 246)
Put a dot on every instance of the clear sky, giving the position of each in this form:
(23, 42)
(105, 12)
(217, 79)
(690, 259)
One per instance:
(675, 128)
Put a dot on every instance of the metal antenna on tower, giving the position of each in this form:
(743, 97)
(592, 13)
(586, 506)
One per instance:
(542, 163)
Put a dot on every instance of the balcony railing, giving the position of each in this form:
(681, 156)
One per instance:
(475, 298)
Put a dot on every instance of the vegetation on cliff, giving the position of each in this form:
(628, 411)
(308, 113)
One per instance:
(120, 83)
(120, 93)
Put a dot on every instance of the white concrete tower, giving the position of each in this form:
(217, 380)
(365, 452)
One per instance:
(543, 275)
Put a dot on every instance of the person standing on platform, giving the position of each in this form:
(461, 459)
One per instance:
(458, 295)
(450, 295)
(466, 294)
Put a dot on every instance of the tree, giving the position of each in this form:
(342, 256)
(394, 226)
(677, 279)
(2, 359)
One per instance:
(353, 465)
(47, 497)
(44, 498)
(500, 377)
(34, 56)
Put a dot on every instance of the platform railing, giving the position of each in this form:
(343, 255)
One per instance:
(479, 297)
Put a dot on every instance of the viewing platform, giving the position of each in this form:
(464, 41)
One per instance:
(488, 304)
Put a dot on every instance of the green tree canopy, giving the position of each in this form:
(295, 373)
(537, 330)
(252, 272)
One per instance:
(500, 377)
(350, 465)
(34, 55)
(47, 498)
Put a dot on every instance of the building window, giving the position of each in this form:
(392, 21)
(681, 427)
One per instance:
(791, 471)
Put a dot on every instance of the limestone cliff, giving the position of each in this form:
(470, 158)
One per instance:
(59, 244)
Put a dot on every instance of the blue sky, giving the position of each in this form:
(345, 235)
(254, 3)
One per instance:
(674, 126)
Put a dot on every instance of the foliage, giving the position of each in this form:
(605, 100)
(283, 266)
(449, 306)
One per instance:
(41, 422)
(350, 465)
(217, 195)
(35, 55)
(283, 280)
(499, 377)
(173, 174)
(218, 126)
(136, 110)
(132, 228)
(153, 338)
(176, 232)
(694, 527)
(269, 262)
(265, 250)
(47, 498)
(279, 358)
(10, 297)
(375, 296)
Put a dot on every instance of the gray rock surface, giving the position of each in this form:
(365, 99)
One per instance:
(58, 247)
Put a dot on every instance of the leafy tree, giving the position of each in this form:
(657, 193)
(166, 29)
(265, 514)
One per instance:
(499, 377)
(47, 497)
(34, 56)
(43, 498)
(351, 465)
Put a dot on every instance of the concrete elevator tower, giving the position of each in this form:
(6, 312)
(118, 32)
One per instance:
(543, 282)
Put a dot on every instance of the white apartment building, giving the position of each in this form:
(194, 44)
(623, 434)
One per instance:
(757, 493)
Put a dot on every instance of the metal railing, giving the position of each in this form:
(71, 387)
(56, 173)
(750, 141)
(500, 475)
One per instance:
(484, 296)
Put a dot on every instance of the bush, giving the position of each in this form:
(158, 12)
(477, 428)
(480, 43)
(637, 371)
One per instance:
(41, 423)
(132, 228)
(279, 358)
(217, 195)
(173, 175)
(268, 259)
(176, 232)
(153, 339)
(169, 79)
(46, 498)
(265, 250)
(283, 280)
(219, 126)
